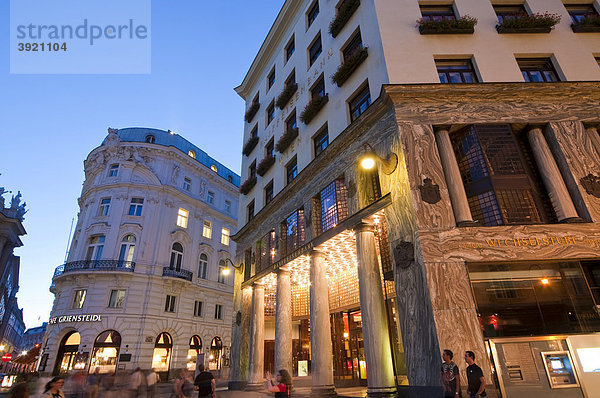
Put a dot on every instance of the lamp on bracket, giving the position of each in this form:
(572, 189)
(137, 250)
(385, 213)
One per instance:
(370, 158)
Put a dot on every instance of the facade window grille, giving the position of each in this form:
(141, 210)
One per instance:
(506, 12)
(207, 229)
(359, 103)
(500, 179)
(219, 311)
(292, 170)
(79, 298)
(170, 303)
(95, 247)
(117, 298)
(198, 308)
(456, 71)
(315, 50)
(294, 231)
(176, 256)
(113, 171)
(290, 123)
(353, 46)
(252, 170)
(250, 210)
(268, 250)
(269, 193)
(104, 207)
(225, 236)
(182, 218)
(318, 90)
(247, 264)
(290, 49)
(127, 248)
(312, 13)
(203, 266)
(271, 79)
(333, 206)
(536, 70)
(321, 141)
(579, 12)
(210, 197)
(291, 80)
(270, 149)
(187, 184)
(437, 12)
(270, 113)
(135, 207)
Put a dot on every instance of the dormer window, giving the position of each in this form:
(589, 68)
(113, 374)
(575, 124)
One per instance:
(192, 154)
(150, 139)
(113, 170)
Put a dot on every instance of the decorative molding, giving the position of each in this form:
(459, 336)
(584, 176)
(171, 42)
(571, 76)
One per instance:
(430, 192)
(591, 184)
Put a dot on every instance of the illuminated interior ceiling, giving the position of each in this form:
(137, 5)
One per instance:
(341, 263)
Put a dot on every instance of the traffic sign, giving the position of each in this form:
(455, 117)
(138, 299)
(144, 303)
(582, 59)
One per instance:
(6, 357)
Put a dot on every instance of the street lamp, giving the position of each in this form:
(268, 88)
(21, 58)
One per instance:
(369, 158)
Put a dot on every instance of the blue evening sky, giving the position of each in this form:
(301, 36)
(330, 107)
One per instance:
(201, 50)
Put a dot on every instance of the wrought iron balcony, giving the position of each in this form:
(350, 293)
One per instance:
(95, 265)
(181, 274)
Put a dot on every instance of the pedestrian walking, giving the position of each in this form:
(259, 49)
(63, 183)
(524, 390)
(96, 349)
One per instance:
(475, 377)
(136, 384)
(54, 388)
(93, 383)
(205, 383)
(284, 383)
(450, 375)
(20, 390)
(152, 379)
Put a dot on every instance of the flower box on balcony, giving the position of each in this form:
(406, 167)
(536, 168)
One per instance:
(343, 16)
(464, 25)
(535, 23)
(249, 145)
(285, 95)
(252, 111)
(313, 108)
(247, 185)
(265, 165)
(587, 25)
(286, 140)
(346, 69)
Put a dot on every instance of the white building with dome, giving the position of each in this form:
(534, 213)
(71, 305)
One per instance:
(146, 282)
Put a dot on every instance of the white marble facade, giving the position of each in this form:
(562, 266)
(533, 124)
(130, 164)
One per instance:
(170, 175)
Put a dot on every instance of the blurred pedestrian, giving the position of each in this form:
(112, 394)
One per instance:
(152, 379)
(475, 377)
(93, 383)
(450, 375)
(205, 383)
(54, 388)
(184, 388)
(20, 390)
(283, 386)
(137, 383)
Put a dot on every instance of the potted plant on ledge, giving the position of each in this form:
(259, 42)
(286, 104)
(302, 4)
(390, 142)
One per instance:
(343, 16)
(534, 23)
(464, 25)
(252, 111)
(248, 185)
(265, 165)
(346, 69)
(249, 145)
(591, 23)
(285, 141)
(285, 95)
(313, 108)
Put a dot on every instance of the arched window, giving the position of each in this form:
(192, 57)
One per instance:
(67, 353)
(161, 357)
(215, 354)
(193, 352)
(106, 351)
(203, 266)
(94, 251)
(150, 139)
(223, 271)
(127, 248)
(176, 256)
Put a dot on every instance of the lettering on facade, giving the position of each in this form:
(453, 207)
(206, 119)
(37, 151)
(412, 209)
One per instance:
(531, 241)
(75, 318)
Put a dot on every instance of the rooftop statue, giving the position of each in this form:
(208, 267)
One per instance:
(15, 201)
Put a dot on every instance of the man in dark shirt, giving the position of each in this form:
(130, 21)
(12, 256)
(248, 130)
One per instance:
(475, 377)
(450, 375)
(205, 383)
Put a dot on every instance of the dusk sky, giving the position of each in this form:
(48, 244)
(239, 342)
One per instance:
(201, 50)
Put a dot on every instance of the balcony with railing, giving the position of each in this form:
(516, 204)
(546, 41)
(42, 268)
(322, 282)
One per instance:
(95, 265)
(181, 274)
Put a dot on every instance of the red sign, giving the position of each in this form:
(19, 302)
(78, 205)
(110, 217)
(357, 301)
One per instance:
(6, 357)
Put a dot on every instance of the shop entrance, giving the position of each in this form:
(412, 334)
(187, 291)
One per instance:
(216, 353)
(106, 352)
(161, 357)
(193, 352)
(67, 353)
(349, 365)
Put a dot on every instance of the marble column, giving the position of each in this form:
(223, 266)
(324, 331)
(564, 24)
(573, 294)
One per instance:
(376, 338)
(320, 329)
(257, 339)
(283, 321)
(456, 188)
(553, 181)
(592, 132)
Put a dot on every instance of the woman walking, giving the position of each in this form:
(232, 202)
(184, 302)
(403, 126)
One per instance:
(283, 386)
(54, 388)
